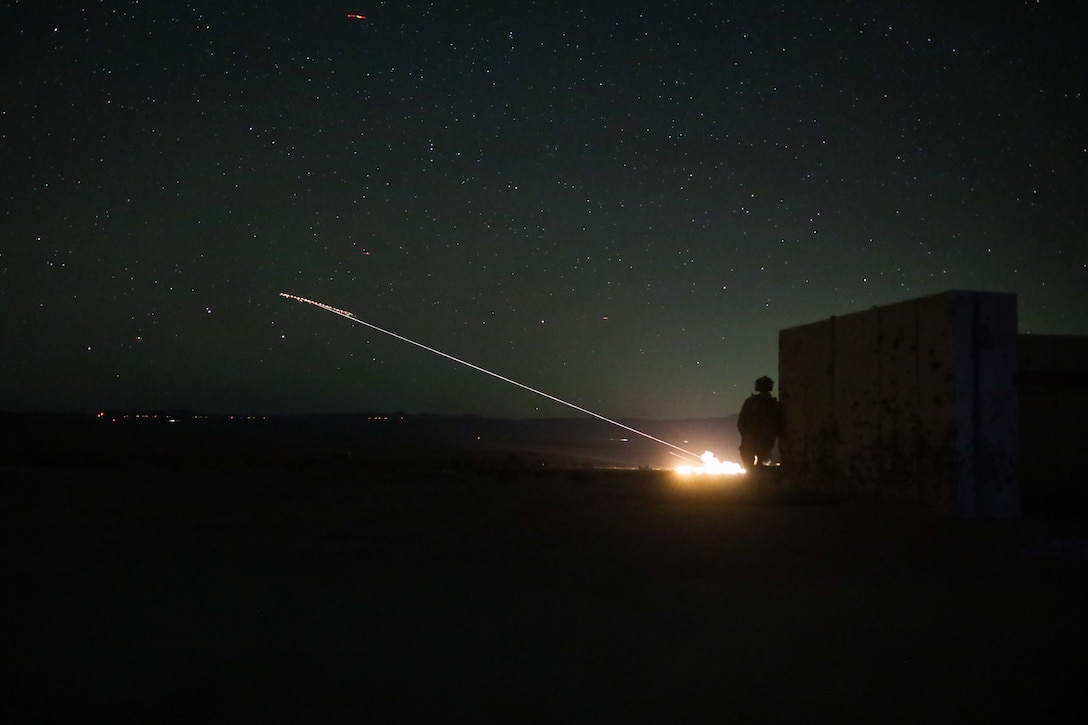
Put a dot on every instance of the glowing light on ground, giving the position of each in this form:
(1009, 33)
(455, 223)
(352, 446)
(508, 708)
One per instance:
(711, 466)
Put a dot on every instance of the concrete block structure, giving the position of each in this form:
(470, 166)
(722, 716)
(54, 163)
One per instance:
(1052, 387)
(915, 400)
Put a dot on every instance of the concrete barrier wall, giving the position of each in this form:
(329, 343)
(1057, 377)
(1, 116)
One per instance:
(899, 446)
(913, 400)
(807, 354)
(1052, 387)
(857, 392)
(993, 470)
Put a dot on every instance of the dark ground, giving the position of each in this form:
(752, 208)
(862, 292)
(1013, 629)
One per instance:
(234, 589)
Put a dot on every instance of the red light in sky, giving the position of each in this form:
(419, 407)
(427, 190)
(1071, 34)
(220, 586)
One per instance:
(356, 16)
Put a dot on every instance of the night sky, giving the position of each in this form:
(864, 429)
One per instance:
(619, 203)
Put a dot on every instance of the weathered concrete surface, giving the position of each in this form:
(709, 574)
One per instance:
(914, 400)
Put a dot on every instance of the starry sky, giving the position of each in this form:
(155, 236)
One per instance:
(618, 203)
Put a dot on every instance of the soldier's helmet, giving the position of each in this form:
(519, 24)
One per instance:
(764, 384)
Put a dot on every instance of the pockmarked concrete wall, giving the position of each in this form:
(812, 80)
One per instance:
(1052, 386)
(914, 400)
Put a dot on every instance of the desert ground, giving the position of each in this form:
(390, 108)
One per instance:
(242, 588)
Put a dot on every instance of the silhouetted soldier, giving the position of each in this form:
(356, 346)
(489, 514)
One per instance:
(760, 423)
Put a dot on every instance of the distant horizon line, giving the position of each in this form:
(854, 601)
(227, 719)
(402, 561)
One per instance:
(189, 414)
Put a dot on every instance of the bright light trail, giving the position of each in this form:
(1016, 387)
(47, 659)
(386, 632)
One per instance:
(353, 318)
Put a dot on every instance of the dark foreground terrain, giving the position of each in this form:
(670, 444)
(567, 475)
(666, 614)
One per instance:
(344, 590)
